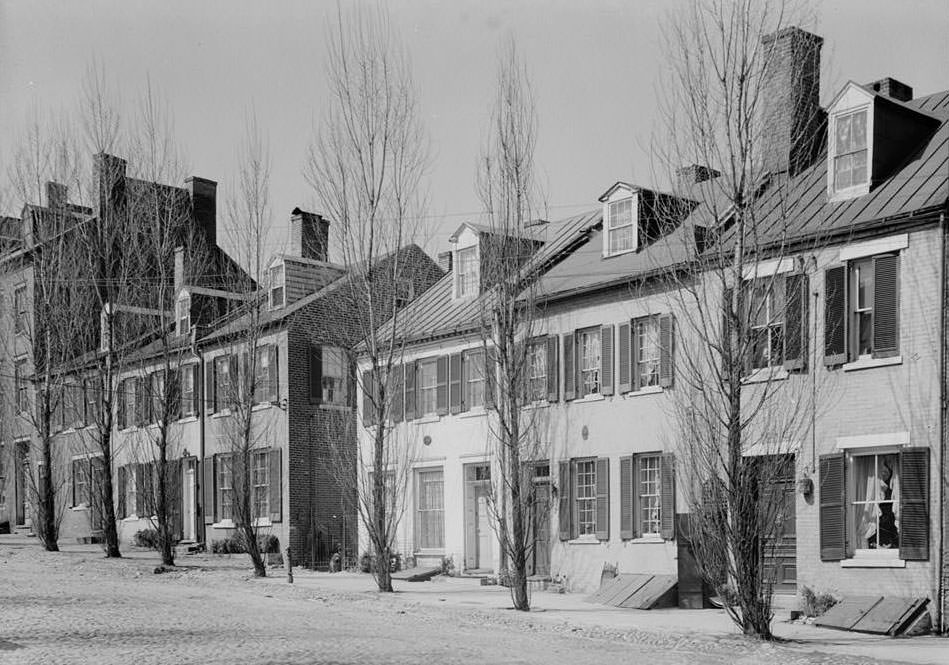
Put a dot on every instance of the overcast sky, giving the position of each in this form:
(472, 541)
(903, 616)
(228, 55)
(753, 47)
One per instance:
(595, 66)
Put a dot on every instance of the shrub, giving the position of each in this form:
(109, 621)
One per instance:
(268, 544)
(234, 544)
(147, 538)
(816, 604)
(367, 562)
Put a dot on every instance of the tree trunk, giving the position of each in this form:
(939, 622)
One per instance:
(48, 530)
(165, 535)
(108, 512)
(380, 539)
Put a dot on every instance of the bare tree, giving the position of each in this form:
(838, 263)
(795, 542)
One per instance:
(366, 166)
(509, 316)
(742, 393)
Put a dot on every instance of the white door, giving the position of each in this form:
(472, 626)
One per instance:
(483, 532)
(188, 509)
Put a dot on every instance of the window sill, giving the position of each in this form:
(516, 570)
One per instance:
(644, 540)
(538, 404)
(262, 521)
(867, 363)
(592, 397)
(622, 252)
(221, 414)
(765, 374)
(80, 507)
(434, 418)
(262, 406)
(648, 390)
(870, 562)
(841, 195)
(223, 524)
(478, 412)
(188, 419)
(132, 518)
(585, 540)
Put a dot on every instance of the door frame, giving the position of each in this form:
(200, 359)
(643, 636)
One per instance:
(192, 462)
(470, 500)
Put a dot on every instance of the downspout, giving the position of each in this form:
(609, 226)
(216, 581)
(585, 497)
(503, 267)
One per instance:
(199, 473)
(944, 404)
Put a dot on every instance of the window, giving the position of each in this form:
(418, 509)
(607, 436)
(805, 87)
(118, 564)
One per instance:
(81, 483)
(184, 316)
(21, 379)
(187, 387)
(278, 289)
(537, 370)
(156, 401)
(766, 323)
(265, 379)
(850, 144)
(876, 501)
(224, 382)
(404, 292)
(20, 310)
(225, 487)
(260, 479)
(466, 272)
(647, 352)
(588, 357)
(3, 479)
(430, 520)
(474, 379)
(649, 495)
(585, 494)
(133, 501)
(428, 386)
(93, 400)
(75, 402)
(620, 226)
(126, 401)
(861, 280)
(333, 379)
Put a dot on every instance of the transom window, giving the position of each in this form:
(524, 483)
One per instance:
(430, 513)
(766, 323)
(876, 501)
(650, 495)
(428, 386)
(588, 352)
(333, 381)
(474, 379)
(620, 226)
(537, 367)
(850, 141)
(586, 497)
(648, 351)
(260, 473)
(277, 286)
(466, 272)
(184, 316)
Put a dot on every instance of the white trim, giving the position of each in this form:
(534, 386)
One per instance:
(475, 412)
(858, 250)
(260, 406)
(430, 463)
(585, 539)
(882, 558)
(763, 374)
(873, 440)
(868, 363)
(474, 457)
(768, 268)
(426, 419)
(650, 539)
(223, 524)
(763, 448)
(592, 397)
(648, 390)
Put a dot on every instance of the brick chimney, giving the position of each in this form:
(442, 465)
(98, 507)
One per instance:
(693, 174)
(791, 115)
(309, 235)
(892, 88)
(56, 195)
(204, 206)
(110, 182)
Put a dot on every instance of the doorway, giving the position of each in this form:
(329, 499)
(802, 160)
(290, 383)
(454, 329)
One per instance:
(21, 471)
(479, 536)
(189, 526)
(540, 522)
(780, 555)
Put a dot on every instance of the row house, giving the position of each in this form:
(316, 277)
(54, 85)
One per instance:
(856, 267)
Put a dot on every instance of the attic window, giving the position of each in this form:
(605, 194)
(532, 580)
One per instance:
(183, 315)
(278, 281)
(466, 272)
(620, 227)
(851, 175)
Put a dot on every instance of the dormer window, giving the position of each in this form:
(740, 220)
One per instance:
(466, 271)
(278, 288)
(620, 226)
(850, 151)
(183, 315)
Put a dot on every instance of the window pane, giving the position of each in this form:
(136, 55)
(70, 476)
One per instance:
(842, 175)
(538, 371)
(858, 173)
(586, 497)
(474, 373)
(428, 385)
(621, 213)
(430, 509)
(875, 501)
(858, 131)
(843, 134)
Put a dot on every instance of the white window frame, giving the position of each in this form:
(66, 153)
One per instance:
(334, 389)
(131, 491)
(612, 230)
(588, 368)
(886, 553)
(225, 472)
(585, 504)
(649, 496)
(223, 402)
(277, 290)
(652, 359)
(766, 319)
(183, 315)
(22, 385)
(467, 277)
(260, 480)
(427, 391)
(537, 370)
(854, 190)
(430, 512)
(473, 360)
(186, 390)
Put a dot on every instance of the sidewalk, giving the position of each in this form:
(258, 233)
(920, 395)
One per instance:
(569, 611)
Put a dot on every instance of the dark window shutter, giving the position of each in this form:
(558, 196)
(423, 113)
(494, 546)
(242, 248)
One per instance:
(553, 378)
(367, 398)
(122, 490)
(441, 387)
(121, 402)
(454, 382)
(398, 394)
(569, 371)
(728, 326)
(667, 480)
(410, 390)
(238, 379)
(316, 374)
(276, 484)
(490, 371)
(273, 374)
(914, 504)
(211, 387)
(835, 315)
(196, 384)
(886, 306)
(606, 360)
(602, 528)
(176, 498)
(635, 382)
(625, 361)
(666, 351)
(795, 321)
(637, 483)
(626, 497)
(141, 487)
(833, 508)
(565, 511)
(209, 507)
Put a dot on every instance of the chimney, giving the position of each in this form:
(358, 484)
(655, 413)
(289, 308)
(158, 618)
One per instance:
(309, 235)
(791, 114)
(444, 261)
(204, 206)
(110, 181)
(693, 174)
(892, 88)
(179, 268)
(56, 195)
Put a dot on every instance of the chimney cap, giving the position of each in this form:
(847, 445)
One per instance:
(789, 32)
(891, 87)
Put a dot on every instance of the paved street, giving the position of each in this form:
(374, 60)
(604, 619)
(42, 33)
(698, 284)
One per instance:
(76, 607)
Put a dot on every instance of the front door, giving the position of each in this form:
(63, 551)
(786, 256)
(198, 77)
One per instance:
(189, 524)
(781, 549)
(540, 523)
(21, 470)
(483, 532)
(479, 535)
